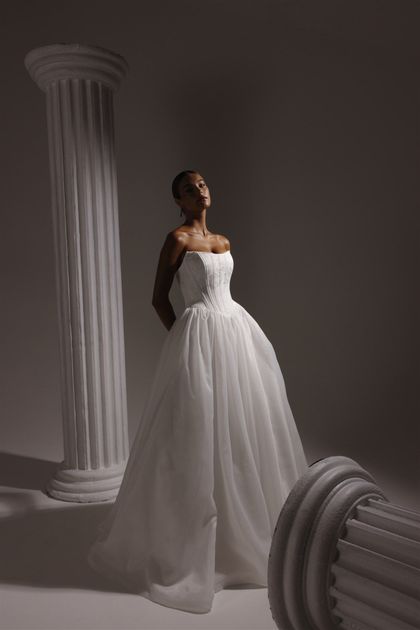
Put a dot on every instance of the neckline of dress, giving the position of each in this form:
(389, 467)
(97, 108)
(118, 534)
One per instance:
(198, 251)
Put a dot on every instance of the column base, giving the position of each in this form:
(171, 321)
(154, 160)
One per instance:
(86, 486)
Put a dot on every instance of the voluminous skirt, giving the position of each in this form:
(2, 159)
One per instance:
(213, 460)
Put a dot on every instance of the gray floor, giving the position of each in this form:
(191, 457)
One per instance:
(45, 582)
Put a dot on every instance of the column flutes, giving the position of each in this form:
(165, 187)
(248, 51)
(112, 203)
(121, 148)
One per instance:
(343, 556)
(79, 82)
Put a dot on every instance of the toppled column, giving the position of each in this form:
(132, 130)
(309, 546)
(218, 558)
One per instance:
(343, 556)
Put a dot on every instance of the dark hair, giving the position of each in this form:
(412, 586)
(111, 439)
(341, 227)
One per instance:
(177, 181)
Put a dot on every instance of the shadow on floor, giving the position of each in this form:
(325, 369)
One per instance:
(42, 546)
(20, 471)
(48, 547)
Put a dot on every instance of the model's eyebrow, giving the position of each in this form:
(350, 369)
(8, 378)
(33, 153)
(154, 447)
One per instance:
(189, 183)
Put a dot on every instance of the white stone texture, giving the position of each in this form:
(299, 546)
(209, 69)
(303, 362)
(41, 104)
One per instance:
(79, 82)
(343, 556)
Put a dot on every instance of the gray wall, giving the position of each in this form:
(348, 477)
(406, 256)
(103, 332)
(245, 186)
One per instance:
(304, 118)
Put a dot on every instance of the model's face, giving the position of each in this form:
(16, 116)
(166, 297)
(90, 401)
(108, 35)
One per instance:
(194, 194)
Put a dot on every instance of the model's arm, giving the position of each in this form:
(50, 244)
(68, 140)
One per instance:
(169, 261)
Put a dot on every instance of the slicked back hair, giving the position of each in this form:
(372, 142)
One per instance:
(177, 181)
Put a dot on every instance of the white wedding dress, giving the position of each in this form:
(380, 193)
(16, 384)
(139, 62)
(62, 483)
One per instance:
(215, 455)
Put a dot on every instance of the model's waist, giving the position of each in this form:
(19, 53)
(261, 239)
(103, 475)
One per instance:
(226, 306)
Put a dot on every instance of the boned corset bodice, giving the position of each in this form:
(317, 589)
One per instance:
(204, 280)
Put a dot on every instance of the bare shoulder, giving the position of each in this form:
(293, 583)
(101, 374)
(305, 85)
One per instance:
(175, 237)
(174, 244)
(178, 235)
(223, 241)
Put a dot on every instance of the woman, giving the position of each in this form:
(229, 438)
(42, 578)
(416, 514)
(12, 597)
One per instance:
(217, 449)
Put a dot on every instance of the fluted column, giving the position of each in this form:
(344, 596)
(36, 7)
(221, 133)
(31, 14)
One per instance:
(342, 556)
(376, 575)
(79, 82)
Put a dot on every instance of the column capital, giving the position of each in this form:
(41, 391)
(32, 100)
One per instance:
(75, 61)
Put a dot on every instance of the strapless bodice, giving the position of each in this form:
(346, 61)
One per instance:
(204, 280)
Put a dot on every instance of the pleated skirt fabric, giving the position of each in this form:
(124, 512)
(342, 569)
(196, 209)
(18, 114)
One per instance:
(215, 456)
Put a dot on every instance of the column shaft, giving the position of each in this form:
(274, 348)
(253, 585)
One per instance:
(79, 84)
